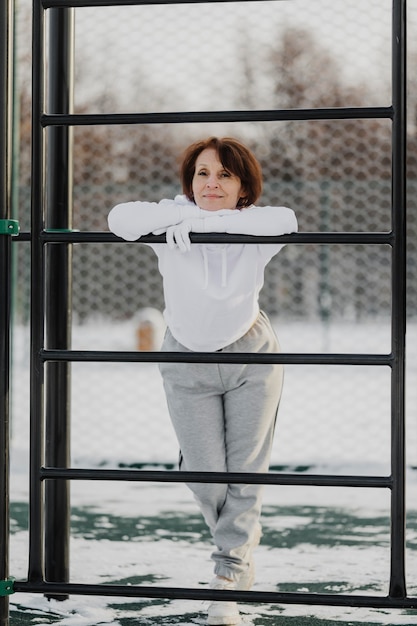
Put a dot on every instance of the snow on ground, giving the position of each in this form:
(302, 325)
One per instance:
(331, 420)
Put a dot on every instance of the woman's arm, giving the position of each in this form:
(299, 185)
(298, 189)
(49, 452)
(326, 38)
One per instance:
(267, 220)
(132, 220)
(258, 221)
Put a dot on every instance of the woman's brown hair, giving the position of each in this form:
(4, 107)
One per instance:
(236, 159)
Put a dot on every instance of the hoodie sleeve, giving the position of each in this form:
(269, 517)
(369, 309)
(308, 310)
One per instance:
(258, 221)
(132, 220)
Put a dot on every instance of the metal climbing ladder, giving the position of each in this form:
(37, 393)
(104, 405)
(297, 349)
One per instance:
(51, 238)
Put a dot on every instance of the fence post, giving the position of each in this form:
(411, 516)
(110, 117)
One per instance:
(6, 94)
(58, 295)
(36, 564)
(399, 133)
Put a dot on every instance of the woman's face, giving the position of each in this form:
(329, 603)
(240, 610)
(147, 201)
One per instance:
(213, 187)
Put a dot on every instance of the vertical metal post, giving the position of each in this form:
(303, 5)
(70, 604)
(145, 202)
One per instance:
(6, 93)
(58, 294)
(37, 307)
(397, 580)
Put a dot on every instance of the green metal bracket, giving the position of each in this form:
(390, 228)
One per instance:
(9, 227)
(6, 587)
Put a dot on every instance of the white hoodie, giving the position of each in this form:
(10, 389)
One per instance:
(211, 290)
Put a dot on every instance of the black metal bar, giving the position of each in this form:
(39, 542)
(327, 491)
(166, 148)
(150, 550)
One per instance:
(59, 185)
(198, 117)
(111, 356)
(98, 3)
(269, 597)
(398, 508)
(6, 94)
(172, 476)
(23, 236)
(36, 512)
(303, 238)
(296, 238)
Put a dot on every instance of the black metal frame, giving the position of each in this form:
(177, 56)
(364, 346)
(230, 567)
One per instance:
(6, 99)
(57, 353)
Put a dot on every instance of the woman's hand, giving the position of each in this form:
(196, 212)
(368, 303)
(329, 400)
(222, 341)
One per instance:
(178, 236)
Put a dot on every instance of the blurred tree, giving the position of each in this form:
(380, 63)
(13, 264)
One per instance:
(341, 169)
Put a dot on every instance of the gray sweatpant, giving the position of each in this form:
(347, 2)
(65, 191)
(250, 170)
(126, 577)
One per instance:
(224, 418)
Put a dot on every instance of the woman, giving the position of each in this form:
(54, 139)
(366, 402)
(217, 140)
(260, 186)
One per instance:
(223, 414)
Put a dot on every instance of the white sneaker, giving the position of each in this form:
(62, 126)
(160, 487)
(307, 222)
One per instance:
(226, 613)
(247, 579)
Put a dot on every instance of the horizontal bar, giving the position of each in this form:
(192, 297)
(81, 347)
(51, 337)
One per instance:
(99, 356)
(138, 591)
(47, 4)
(198, 117)
(364, 238)
(23, 236)
(171, 476)
(353, 238)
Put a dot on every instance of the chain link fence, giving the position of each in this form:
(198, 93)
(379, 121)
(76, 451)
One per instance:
(336, 175)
